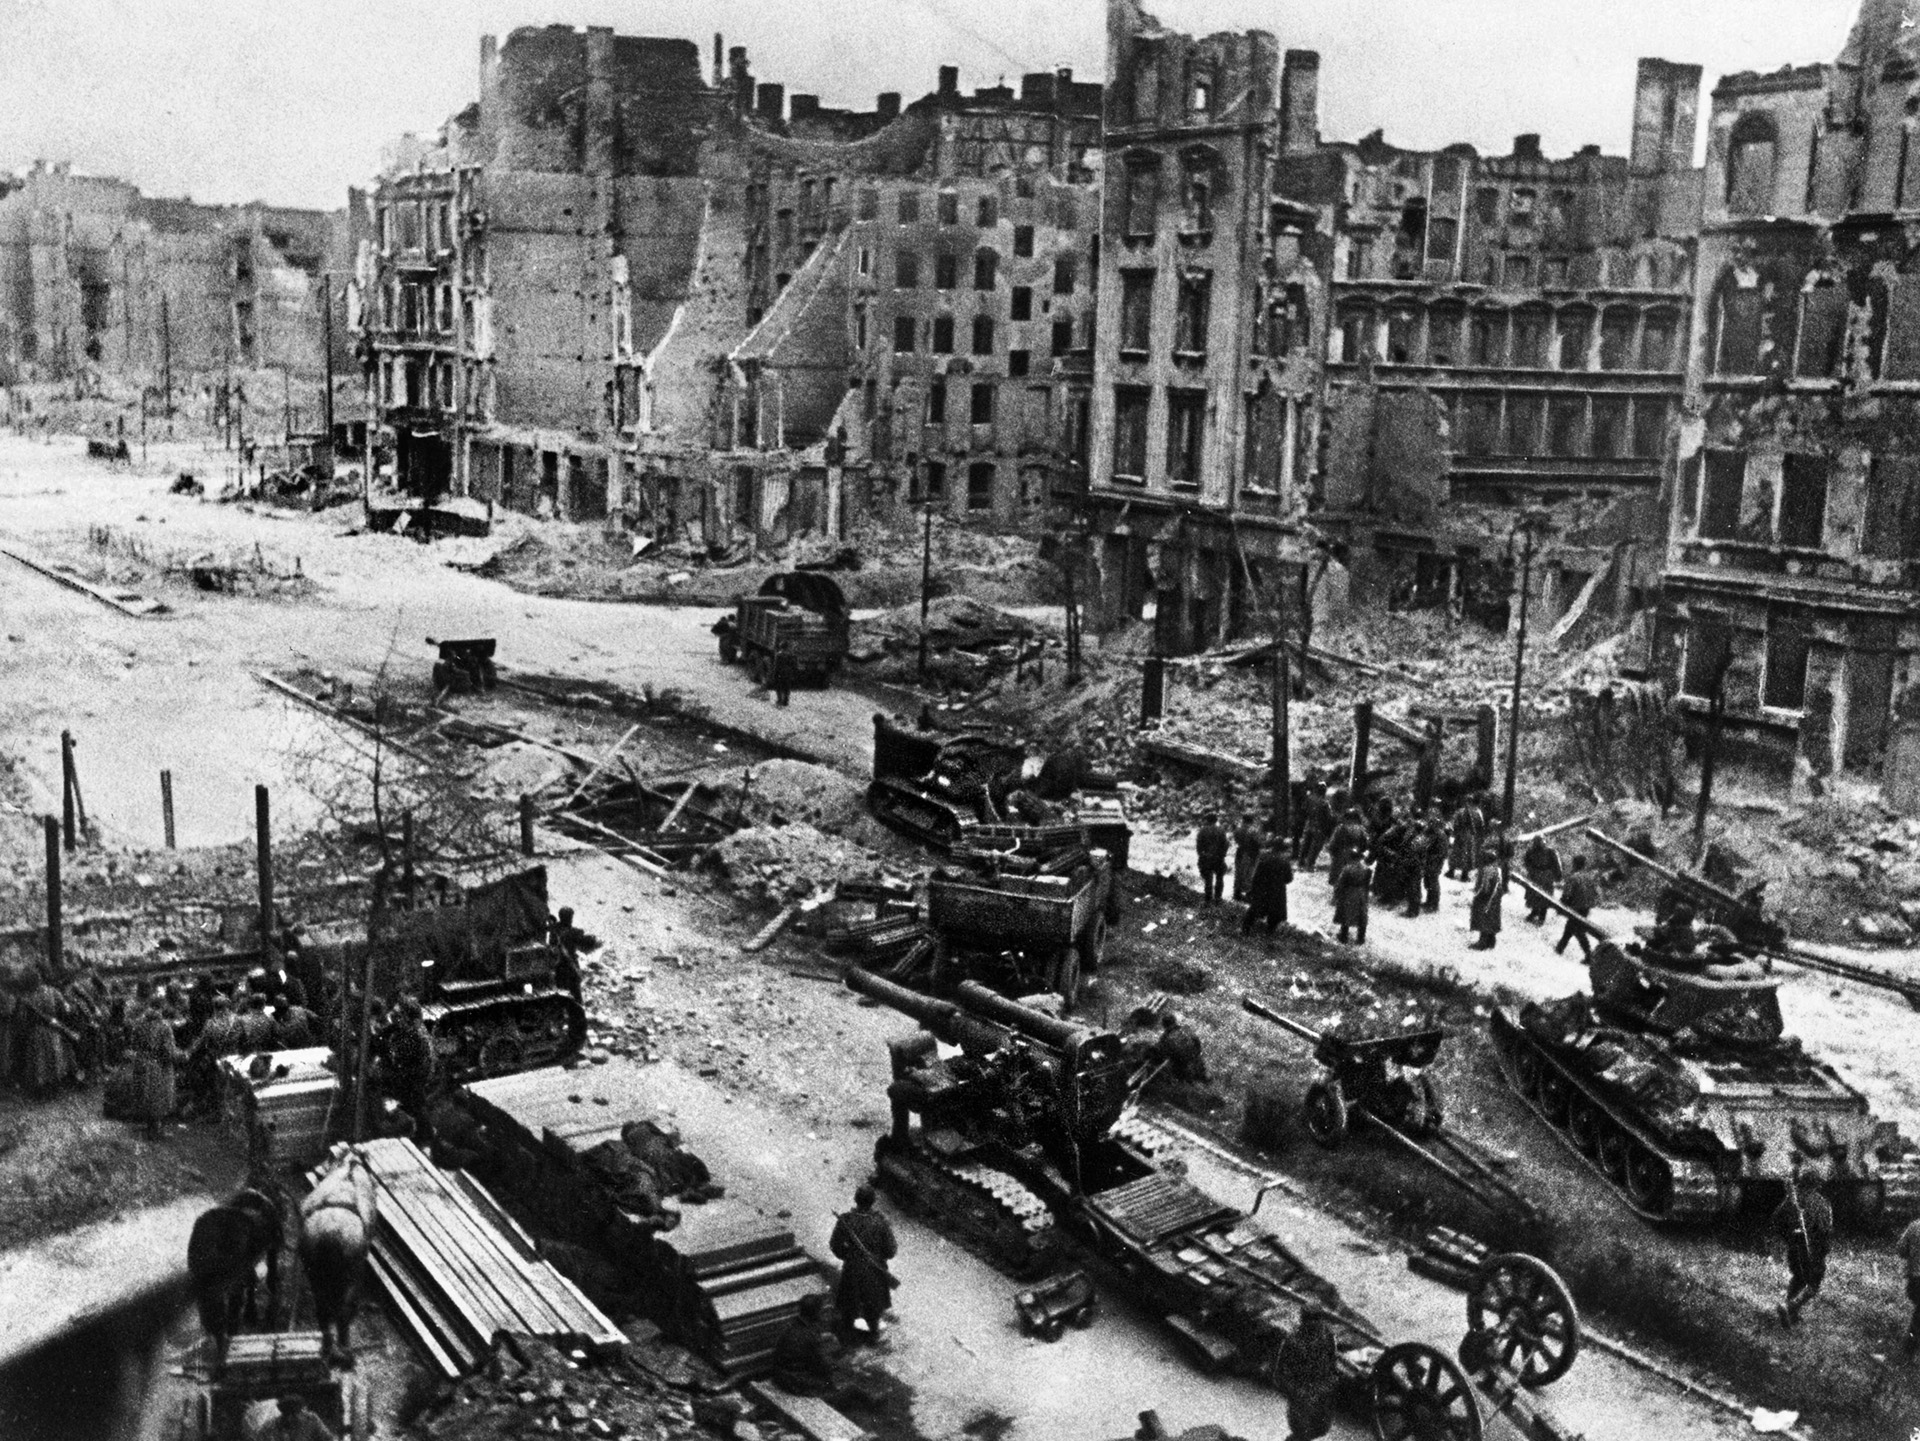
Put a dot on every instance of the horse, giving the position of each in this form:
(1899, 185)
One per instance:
(224, 1251)
(337, 1223)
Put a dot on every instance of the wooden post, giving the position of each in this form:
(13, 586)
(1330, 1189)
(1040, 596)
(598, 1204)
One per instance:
(406, 856)
(1282, 742)
(526, 825)
(56, 961)
(1362, 744)
(1519, 667)
(263, 843)
(1427, 774)
(66, 788)
(1073, 619)
(362, 1043)
(166, 805)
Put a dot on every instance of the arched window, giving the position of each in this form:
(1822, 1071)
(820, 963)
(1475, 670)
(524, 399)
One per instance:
(1444, 323)
(1528, 347)
(1403, 335)
(1823, 324)
(1659, 334)
(1146, 84)
(1142, 192)
(1199, 188)
(1354, 337)
(1487, 338)
(1200, 93)
(1752, 153)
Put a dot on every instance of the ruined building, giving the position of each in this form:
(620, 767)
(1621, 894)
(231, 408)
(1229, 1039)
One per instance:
(1507, 333)
(1209, 330)
(616, 285)
(1796, 510)
(98, 281)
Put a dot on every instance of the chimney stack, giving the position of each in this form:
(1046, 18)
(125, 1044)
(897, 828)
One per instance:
(888, 105)
(770, 101)
(719, 62)
(1300, 102)
(1526, 147)
(949, 82)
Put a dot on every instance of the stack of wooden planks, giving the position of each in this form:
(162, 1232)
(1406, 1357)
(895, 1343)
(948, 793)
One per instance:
(459, 1271)
(724, 1280)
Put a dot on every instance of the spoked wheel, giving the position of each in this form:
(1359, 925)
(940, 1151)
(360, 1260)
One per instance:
(1093, 945)
(1521, 1315)
(1614, 1146)
(1584, 1123)
(1421, 1395)
(1648, 1180)
(1326, 1114)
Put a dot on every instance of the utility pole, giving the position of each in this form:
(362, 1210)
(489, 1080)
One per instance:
(926, 587)
(166, 359)
(1282, 726)
(1527, 526)
(326, 346)
(286, 405)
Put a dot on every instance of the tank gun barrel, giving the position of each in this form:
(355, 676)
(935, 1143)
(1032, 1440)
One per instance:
(1699, 885)
(1286, 1023)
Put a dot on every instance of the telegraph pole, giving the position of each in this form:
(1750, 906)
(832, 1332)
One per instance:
(926, 587)
(1527, 524)
(1282, 726)
(326, 345)
(166, 357)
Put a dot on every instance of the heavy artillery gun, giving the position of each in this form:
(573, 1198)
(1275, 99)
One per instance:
(1024, 1134)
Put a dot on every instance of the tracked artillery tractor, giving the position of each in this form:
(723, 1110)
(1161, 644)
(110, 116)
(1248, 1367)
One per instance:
(1021, 1138)
(1042, 930)
(1676, 1082)
(1379, 1085)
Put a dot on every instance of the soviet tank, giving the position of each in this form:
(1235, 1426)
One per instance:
(1676, 1082)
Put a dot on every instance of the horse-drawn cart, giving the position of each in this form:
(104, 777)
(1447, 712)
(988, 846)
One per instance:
(260, 1372)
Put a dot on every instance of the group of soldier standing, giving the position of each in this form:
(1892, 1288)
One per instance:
(1392, 855)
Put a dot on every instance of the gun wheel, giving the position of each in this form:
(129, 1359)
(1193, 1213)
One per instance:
(1418, 1394)
(1521, 1315)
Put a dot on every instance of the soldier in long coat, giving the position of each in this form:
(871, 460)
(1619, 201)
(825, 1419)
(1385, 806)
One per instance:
(1489, 887)
(1267, 889)
(864, 1243)
(42, 1039)
(1350, 839)
(1468, 827)
(1350, 898)
(155, 1059)
(1246, 855)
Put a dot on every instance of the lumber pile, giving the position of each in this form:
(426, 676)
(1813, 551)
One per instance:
(734, 1281)
(459, 1271)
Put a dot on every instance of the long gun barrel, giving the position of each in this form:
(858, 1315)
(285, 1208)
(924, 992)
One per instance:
(1035, 1025)
(950, 1022)
(1697, 884)
(1286, 1023)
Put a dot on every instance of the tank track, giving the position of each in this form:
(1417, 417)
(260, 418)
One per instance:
(1695, 1190)
(558, 1030)
(915, 813)
(1898, 1188)
(991, 1211)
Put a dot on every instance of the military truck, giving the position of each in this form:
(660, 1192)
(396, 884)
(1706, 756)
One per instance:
(799, 616)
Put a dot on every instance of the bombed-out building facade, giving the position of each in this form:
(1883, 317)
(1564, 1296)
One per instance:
(619, 285)
(99, 282)
(1795, 517)
(1507, 340)
(1209, 330)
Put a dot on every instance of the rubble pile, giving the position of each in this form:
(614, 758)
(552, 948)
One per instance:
(791, 862)
(780, 792)
(529, 1388)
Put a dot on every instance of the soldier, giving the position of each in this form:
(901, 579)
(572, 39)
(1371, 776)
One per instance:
(1489, 886)
(1434, 859)
(802, 1361)
(216, 1039)
(1350, 897)
(1542, 863)
(1246, 855)
(1468, 827)
(1316, 827)
(1210, 848)
(1348, 841)
(296, 1027)
(1578, 897)
(253, 1027)
(782, 676)
(1309, 1373)
(155, 1062)
(864, 1243)
(295, 1423)
(410, 1066)
(1804, 1220)
(1177, 1048)
(43, 1042)
(1267, 889)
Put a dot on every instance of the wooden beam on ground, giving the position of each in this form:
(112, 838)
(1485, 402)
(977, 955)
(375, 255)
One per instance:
(333, 712)
(679, 806)
(1579, 920)
(765, 935)
(1552, 830)
(601, 764)
(809, 1415)
(1200, 758)
(628, 847)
